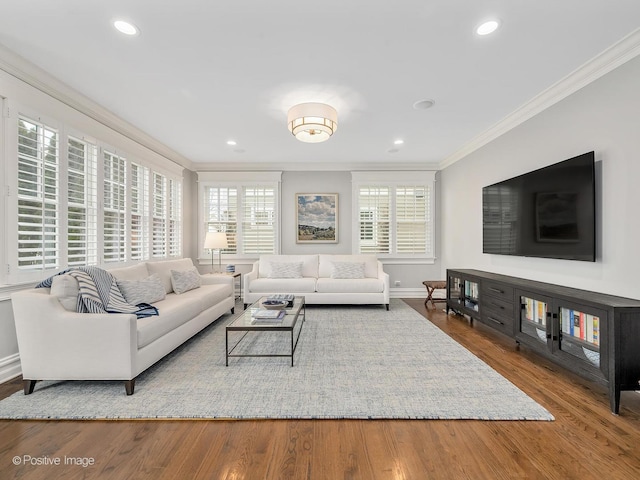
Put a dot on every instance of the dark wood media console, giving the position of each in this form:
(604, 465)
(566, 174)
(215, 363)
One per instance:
(592, 334)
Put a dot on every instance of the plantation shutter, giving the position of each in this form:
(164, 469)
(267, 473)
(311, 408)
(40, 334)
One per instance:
(139, 212)
(258, 219)
(412, 219)
(175, 218)
(374, 207)
(114, 225)
(82, 200)
(221, 214)
(159, 215)
(38, 196)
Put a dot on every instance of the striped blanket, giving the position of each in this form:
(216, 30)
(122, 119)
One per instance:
(99, 293)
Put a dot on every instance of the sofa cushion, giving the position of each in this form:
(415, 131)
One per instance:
(347, 270)
(325, 264)
(340, 285)
(309, 264)
(148, 290)
(136, 272)
(286, 270)
(185, 280)
(176, 310)
(163, 269)
(66, 289)
(283, 285)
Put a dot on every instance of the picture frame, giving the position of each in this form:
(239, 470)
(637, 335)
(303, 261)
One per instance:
(316, 218)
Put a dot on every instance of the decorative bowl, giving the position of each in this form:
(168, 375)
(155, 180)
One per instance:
(274, 304)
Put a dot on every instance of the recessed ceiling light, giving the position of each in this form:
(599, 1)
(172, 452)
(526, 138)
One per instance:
(423, 104)
(231, 142)
(126, 27)
(398, 142)
(487, 27)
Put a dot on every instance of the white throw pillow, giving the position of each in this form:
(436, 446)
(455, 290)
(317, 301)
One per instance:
(185, 280)
(66, 289)
(286, 270)
(347, 270)
(148, 290)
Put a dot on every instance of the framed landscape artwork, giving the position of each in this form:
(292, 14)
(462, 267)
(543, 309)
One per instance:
(316, 218)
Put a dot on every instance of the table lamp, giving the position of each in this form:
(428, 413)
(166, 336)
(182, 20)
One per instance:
(216, 240)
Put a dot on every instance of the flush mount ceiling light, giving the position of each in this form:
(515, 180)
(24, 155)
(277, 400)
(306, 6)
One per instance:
(487, 27)
(126, 27)
(423, 104)
(312, 122)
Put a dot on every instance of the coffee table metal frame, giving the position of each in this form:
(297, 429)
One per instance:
(244, 323)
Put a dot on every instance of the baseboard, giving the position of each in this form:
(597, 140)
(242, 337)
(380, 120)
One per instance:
(413, 293)
(10, 367)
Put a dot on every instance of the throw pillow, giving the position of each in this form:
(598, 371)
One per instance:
(185, 280)
(347, 270)
(148, 290)
(66, 289)
(286, 270)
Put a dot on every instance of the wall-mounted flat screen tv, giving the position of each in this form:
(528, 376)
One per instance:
(548, 213)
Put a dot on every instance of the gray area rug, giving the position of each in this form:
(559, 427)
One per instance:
(351, 362)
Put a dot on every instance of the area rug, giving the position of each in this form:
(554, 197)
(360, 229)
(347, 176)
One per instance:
(359, 362)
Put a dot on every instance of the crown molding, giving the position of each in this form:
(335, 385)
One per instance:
(312, 167)
(36, 77)
(610, 59)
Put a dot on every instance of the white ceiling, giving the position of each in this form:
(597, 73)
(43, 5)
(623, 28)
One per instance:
(202, 72)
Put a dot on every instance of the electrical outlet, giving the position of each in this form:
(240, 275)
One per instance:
(397, 283)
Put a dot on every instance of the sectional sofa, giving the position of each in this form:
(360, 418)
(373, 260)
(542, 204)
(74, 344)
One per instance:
(56, 342)
(322, 279)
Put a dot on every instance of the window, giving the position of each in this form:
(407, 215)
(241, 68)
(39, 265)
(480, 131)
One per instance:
(246, 211)
(114, 225)
(139, 212)
(394, 214)
(82, 211)
(38, 196)
(79, 203)
(258, 220)
(159, 216)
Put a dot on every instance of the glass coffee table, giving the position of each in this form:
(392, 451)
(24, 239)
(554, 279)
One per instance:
(291, 323)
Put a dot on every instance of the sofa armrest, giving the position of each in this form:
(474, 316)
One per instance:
(249, 277)
(57, 344)
(385, 277)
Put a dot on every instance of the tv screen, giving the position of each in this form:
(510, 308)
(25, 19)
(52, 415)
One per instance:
(548, 213)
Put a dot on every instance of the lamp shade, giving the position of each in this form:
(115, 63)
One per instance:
(312, 122)
(215, 240)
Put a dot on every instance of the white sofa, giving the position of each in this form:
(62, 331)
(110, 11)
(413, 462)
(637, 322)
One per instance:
(322, 279)
(57, 343)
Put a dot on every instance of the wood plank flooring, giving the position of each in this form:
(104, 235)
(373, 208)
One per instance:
(585, 441)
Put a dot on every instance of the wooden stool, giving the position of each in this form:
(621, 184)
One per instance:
(431, 287)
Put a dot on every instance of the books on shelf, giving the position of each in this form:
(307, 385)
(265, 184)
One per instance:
(535, 311)
(268, 315)
(580, 325)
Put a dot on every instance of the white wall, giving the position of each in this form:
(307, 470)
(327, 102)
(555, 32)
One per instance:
(603, 116)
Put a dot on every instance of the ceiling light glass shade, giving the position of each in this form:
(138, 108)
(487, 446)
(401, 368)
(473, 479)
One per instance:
(488, 27)
(126, 27)
(312, 122)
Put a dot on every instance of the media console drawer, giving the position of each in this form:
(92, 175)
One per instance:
(497, 289)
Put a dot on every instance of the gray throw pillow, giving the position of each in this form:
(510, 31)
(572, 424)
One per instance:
(347, 270)
(185, 280)
(148, 290)
(286, 270)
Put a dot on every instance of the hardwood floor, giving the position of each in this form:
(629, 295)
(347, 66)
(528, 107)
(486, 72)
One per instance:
(585, 441)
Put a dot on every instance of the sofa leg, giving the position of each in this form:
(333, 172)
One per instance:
(387, 305)
(245, 305)
(28, 386)
(129, 386)
(233, 310)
